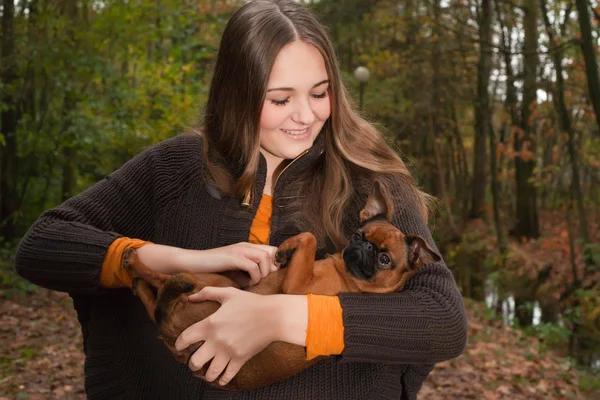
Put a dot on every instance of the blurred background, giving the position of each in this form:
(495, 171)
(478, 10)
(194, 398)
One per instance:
(495, 105)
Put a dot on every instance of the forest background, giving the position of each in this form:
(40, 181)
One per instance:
(494, 103)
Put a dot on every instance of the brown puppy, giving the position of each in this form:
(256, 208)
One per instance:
(379, 258)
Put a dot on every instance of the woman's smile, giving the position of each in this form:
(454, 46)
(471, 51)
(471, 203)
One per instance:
(298, 134)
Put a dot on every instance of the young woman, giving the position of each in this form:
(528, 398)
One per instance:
(281, 152)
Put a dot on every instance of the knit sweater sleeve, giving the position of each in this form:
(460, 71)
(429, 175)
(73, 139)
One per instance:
(64, 249)
(425, 323)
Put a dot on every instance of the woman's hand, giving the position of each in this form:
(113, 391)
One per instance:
(256, 259)
(243, 326)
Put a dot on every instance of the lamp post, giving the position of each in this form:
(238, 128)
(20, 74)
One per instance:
(362, 75)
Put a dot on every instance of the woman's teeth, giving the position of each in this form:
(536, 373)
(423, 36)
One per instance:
(296, 132)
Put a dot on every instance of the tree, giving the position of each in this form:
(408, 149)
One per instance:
(482, 109)
(588, 48)
(8, 120)
(524, 140)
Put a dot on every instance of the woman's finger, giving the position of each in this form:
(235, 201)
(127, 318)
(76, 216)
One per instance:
(233, 368)
(203, 355)
(213, 293)
(252, 268)
(271, 250)
(263, 259)
(192, 334)
(217, 366)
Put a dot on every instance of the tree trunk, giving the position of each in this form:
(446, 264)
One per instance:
(28, 99)
(436, 126)
(565, 124)
(8, 120)
(588, 48)
(69, 150)
(463, 179)
(502, 246)
(482, 110)
(510, 102)
(523, 311)
(69, 178)
(527, 214)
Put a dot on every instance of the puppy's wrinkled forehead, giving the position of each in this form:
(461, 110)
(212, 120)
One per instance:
(378, 231)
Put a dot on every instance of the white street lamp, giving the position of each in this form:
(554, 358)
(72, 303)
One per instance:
(362, 75)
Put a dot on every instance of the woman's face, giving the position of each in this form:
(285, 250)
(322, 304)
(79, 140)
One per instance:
(296, 105)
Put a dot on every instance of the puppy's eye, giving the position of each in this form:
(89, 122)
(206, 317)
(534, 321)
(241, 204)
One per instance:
(357, 237)
(384, 260)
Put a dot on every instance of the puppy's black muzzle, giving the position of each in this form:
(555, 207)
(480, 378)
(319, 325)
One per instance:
(361, 259)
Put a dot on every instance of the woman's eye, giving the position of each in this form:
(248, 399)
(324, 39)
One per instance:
(320, 96)
(280, 102)
(384, 259)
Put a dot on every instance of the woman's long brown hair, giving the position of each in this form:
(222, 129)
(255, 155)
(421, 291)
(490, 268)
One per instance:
(252, 39)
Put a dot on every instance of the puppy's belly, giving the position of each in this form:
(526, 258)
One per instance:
(278, 362)
(269, 285)
(275, 363)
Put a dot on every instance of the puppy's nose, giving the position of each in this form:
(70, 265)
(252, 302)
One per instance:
(367, 246)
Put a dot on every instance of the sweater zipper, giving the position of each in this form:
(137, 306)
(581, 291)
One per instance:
(287, 166)
(274, 218)
(247, 198)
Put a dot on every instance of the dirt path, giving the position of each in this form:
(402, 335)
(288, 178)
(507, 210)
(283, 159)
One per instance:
(42, 358)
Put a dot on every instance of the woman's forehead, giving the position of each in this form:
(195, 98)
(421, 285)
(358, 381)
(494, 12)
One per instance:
(298, 66)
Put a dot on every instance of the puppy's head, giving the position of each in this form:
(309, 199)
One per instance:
(172, 295)
(380, 258)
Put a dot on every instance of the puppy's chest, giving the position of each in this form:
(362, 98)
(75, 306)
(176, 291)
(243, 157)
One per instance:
(326, 279)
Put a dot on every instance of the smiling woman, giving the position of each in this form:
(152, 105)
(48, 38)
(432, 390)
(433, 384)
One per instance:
(280, 151)
(295, 108)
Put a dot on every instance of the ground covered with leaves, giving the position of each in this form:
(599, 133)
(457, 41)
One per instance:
(42, 358)
(503, 363)
(42, 355)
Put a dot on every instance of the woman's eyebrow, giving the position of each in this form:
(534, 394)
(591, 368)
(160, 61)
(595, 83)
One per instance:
(289, 89)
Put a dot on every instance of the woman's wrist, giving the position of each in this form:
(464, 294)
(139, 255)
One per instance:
(292, 318)
(164, 259)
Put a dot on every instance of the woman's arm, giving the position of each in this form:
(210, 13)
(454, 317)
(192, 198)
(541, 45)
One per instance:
(64, 249)
(293, 318)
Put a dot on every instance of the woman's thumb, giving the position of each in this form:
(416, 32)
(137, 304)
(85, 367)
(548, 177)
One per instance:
(211, 293)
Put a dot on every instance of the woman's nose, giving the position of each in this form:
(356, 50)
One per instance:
(303, 114)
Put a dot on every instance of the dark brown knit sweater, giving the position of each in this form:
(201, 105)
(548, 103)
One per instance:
(391, 340)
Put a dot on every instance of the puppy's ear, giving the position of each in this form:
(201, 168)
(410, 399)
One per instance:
(378, 203)
(419, 252)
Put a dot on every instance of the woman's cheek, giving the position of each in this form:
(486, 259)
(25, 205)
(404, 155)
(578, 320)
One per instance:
(271, 117)
(323, 111)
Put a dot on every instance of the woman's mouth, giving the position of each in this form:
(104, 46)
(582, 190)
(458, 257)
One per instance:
(298, 134)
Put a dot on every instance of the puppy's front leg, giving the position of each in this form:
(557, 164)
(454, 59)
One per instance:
(143, 279)
(298, 253)
(137, 269)
(142, 290)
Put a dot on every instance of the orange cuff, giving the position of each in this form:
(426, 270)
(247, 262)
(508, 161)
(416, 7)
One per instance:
(325, 333)
(112, 275)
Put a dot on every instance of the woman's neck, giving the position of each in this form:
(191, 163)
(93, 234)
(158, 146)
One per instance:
(274, 167)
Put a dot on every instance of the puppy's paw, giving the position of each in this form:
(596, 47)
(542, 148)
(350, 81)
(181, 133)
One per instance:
(283, 257)
(129, 259)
